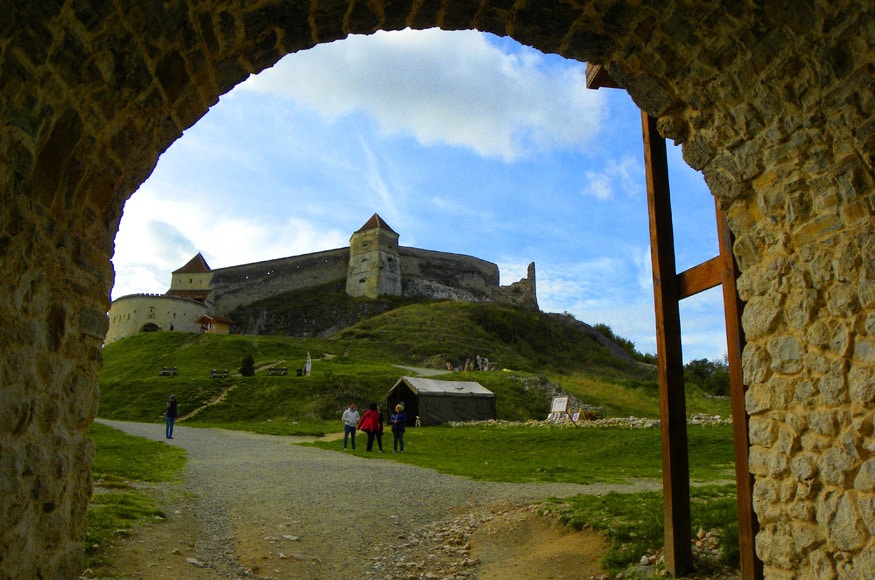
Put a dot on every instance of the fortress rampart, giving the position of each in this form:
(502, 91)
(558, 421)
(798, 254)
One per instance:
(236, 286)
(196, 289)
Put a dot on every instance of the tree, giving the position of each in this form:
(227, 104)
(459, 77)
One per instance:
(711, 376)
(247, 368)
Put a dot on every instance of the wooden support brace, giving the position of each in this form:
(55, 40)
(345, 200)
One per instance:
(672, 405)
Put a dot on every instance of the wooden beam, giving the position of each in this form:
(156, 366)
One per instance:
(672, 405)
(598, 78)
(699, 278)
(751, 567)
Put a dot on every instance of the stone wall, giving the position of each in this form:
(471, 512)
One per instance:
(772, 101)
(442, 275)
(523, 293)
(240, 285)
(129, 314)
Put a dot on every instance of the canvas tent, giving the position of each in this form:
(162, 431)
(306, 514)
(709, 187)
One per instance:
(436, 402)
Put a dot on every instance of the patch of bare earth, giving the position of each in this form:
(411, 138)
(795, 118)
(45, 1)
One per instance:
(520, 543)
(505, 543)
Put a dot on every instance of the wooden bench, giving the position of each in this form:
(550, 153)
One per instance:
(168, 371)
(277, 371)
(219, 374)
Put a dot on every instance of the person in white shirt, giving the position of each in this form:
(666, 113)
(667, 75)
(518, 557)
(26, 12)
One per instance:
(350, 421)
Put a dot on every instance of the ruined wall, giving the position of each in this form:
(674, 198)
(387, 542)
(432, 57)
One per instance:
(523, 293)
(772, 101)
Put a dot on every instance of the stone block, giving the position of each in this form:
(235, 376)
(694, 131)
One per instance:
(865, 480)
(785, 353)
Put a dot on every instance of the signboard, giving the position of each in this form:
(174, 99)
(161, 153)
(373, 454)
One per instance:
(560, 405)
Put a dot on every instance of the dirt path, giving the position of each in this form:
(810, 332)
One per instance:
(255, 506)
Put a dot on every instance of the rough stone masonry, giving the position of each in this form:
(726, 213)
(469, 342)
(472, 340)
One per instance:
(772, 101)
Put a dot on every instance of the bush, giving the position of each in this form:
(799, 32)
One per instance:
(710, 376)
(247, 368)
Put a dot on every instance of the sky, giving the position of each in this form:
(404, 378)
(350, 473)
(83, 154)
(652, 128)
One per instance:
(462, 142)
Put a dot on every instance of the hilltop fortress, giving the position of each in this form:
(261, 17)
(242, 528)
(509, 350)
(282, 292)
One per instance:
(374, 265)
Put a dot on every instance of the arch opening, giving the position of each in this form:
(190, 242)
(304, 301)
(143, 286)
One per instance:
(93, 95)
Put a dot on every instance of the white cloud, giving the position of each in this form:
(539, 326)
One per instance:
(454, 88)
(616, 177)
(152, 241)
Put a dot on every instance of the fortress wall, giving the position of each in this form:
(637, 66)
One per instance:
(128, 314)
(238, 285)
(445, 275)
(522, 293)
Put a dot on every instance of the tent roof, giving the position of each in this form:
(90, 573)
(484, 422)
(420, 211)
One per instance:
(422, 386)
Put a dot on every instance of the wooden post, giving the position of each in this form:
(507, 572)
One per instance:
(750, 565)
(672, 406)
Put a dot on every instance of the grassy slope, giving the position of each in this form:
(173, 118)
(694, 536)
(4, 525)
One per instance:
(358, 364)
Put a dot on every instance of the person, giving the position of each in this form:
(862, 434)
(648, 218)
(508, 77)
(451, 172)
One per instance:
(370, 424)
(170, 416)
(350, 421)
(379, 432)
(398, 420)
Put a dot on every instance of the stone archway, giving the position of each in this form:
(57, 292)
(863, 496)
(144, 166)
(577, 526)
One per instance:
(773, 103)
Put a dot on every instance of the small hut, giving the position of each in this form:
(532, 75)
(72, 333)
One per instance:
(214, 324)
(436, 402)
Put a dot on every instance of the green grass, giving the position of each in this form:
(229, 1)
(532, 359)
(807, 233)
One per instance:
(117, 505)
(270, 427)
(633, 523)
(520, 454)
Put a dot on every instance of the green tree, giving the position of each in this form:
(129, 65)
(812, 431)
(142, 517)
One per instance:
(247, 368)
(711, 376)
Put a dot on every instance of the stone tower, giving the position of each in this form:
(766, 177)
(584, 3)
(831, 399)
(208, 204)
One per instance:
(374, 264)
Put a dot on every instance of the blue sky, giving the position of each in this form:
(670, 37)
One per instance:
(462, 142)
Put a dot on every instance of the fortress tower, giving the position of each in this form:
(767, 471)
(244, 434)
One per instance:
(374, 263)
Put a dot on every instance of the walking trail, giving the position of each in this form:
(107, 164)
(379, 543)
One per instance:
(256, 506)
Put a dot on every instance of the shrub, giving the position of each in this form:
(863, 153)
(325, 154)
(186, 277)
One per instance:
(247, 368)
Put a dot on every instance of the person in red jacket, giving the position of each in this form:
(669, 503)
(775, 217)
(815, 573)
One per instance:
(370, 423)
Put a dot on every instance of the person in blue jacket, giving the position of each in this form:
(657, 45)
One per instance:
(398, 421)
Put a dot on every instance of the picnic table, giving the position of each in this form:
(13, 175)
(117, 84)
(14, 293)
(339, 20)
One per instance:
(277, 371)
(168, 371)
(219, 374)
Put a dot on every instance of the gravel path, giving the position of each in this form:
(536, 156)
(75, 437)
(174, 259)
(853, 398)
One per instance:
(324, 513)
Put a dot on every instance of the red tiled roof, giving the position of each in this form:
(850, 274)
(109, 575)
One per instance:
(215, 318)
(199, 295)
(376, 222)
(196, 265)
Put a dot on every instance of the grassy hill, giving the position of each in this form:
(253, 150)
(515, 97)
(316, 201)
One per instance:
(361, 363)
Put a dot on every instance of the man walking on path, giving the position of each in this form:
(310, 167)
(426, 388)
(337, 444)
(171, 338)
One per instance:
(170, 416)
(350, 421)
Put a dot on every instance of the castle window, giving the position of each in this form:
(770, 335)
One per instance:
(362, 280)
(364, 260)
